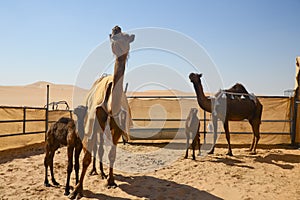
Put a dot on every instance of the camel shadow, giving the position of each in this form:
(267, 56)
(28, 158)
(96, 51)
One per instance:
(273, 159)
(91, 195)
(153, 188)
(231, 162)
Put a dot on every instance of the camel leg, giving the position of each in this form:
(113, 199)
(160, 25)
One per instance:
(51, 157)
(226, 128)
(194, 146)
(187, 144)
(46, 164)
(77, 193)
(112, 158)
(101, 152)
(199, 144)
(215, 129)
(94, 149)
(255, 127)
(102, 119)
(69, 169)
(93, 171)
(78, 149)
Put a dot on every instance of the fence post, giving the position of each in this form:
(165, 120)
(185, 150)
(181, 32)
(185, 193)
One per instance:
(204, 128)
(24, 120)
(47, 109)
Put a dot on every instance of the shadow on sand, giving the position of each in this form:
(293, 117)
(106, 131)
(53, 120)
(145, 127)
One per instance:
(281, 160)
(153, 188)
(22, 152)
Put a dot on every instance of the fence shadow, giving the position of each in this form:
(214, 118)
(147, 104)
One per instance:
(22, 152)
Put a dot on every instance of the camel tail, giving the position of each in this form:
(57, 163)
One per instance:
(258, 111)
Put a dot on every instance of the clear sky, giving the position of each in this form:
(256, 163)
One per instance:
(253, 42)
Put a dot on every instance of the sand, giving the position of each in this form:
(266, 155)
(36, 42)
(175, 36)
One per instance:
(146, 170)
(271, 174)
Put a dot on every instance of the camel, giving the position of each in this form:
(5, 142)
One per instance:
(62, 133)
(110, 110)
(237, 109)
(192, 125)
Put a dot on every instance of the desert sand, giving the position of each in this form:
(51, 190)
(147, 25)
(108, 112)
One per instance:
(274, 173)
(271, 174)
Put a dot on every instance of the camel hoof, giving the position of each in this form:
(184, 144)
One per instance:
(55, 183)
(229, 154)
(252, 153)
(103, 176)
(93, 172)
(194, 158)
(72, 195)
(185, 157)
(111, 184)
(79, 196)
(210, 152)
(47, 184)
(66, 193)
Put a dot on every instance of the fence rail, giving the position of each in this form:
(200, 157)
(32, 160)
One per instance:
(24, 121)
(205, 119)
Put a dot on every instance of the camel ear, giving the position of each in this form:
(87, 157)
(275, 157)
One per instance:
(200, 75)
(131, 38)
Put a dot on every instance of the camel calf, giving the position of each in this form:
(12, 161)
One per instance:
(62, 133)
(192, 125)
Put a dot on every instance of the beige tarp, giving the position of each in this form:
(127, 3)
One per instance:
(272, 132)
(17, 113)
(274, 109)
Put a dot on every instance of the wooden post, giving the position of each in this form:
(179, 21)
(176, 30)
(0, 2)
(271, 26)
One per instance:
(47, 109)
(24, 120)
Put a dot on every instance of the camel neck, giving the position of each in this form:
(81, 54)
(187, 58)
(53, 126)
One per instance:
(118, 79)
(203, 101)
(119, 71)
(80, 127)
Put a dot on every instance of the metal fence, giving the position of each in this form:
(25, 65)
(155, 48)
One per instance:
(24, 120)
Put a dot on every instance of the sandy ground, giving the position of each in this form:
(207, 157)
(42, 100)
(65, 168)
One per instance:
(274, 173)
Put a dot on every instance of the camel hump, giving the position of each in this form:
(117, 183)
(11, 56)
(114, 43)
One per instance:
(64, 120)
(238, 88)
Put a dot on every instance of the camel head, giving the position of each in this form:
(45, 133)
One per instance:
(193, 112)
(80, 112)
(120, 42)
(195, 77)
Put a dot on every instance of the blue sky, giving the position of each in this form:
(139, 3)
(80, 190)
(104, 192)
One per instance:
(252, 42)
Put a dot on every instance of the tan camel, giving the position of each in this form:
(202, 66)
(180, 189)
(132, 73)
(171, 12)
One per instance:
(236, 109)
(192, 126)
(62, 133)
(110, 111)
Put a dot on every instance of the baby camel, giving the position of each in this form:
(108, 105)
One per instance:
(62, 133)
(192, 125)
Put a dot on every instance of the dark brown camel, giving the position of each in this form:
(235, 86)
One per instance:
(110, 111)
(62, 133)
(236, 109)
(192, 126)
